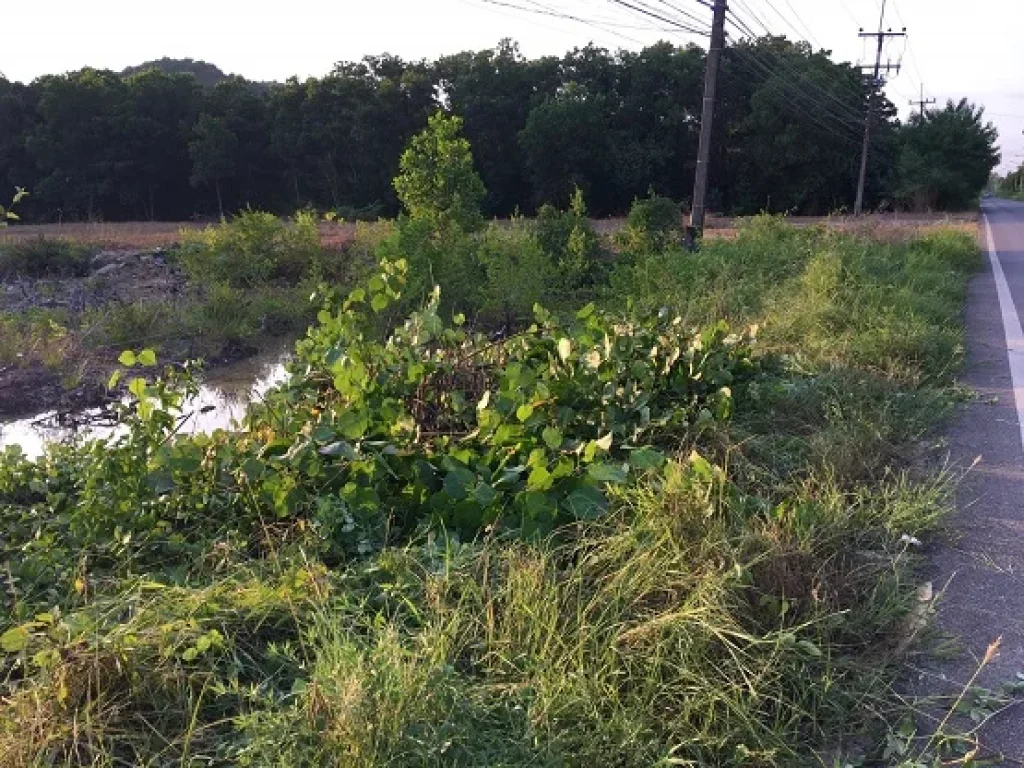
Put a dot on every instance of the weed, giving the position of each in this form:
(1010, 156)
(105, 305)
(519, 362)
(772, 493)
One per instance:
(43, 257)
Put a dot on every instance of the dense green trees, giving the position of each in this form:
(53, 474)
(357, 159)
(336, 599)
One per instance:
(946, 157)
(183, 139)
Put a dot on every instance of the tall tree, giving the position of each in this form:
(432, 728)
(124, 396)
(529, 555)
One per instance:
(946, 157)
(437, 181)
(214, 152)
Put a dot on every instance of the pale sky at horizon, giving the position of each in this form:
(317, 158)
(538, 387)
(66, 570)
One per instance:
(958, 49)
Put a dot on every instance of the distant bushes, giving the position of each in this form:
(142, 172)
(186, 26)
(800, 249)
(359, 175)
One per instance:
(44, 257)
(654, 224)
(252, 249)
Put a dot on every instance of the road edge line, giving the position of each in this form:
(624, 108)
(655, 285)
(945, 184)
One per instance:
(1011, 326)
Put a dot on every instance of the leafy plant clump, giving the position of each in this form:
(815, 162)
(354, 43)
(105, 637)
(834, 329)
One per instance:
(252, 249)
(654, 224)
(569, 240)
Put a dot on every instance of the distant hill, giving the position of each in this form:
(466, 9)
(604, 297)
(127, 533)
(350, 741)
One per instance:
(206, 74)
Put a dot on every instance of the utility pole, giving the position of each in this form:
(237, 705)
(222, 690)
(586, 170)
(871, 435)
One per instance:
(881, 35)
(922, 102)
(700, 183)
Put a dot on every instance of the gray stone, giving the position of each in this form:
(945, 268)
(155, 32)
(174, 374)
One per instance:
(108, 269)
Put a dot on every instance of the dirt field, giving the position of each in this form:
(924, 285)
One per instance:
(142, 235)
(153, 235)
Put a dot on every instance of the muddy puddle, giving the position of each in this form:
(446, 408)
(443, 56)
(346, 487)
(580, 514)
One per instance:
(225, 394)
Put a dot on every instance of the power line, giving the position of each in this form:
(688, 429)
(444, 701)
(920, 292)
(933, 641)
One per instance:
(810, 34)
(843, 110)
(548, 12)
(654, 15)
(807, 107)
(686, 14)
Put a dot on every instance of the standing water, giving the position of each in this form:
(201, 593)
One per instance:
(221, 402)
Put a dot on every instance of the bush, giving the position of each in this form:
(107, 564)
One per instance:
(224, 315)
(653, 225)
(445, 257)
(437, 181)
(131, 324)
(518, 273)
(35, 336)
(251, 249)
(572, 245)
(44, 257)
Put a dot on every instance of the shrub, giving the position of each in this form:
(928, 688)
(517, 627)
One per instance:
(35, 336)
(131, 324)
(570, 242)
(518, 273)
(653, 225)
(251, 249)
(445, 257)
(437, 181)
(44, 257)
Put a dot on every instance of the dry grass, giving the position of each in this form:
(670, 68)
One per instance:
(142, 234)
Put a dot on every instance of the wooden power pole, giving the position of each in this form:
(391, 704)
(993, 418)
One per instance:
(881, 35)
(922, 102)
(700, 183)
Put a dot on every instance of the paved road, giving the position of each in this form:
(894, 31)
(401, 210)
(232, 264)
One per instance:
(982, 568)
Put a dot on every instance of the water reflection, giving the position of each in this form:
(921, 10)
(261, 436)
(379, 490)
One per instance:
(221, 403)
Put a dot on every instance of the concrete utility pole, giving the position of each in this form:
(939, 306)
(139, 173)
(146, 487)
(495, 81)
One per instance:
(700, 183)
(876, 82)
(922, 102)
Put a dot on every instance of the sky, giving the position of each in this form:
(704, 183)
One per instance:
(953, 49)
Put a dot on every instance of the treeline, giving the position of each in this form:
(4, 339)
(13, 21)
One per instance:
(157, 145)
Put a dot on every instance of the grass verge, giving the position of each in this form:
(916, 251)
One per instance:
(745, 603)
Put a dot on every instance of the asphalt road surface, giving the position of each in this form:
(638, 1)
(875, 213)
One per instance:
(980, 571)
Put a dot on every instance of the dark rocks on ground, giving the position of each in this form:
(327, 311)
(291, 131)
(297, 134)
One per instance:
(36, 388)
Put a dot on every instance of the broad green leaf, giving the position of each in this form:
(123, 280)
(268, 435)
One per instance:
(15, 640)
(552, 437)
(702, 467)
(114, 378)
(523, 412)
(586, 503)
(323, 433)
(127, 358)
(352, 424)
(147, 357)
(540, 479)
(646, 458)
(137, 387)
(379, 302)
(484, 495)
(607, 473)
(458, 482)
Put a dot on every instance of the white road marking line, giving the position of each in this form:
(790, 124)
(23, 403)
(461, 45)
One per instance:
(1011, 326)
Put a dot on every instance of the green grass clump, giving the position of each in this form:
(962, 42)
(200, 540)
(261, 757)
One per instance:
(43, 257)
(389, 568)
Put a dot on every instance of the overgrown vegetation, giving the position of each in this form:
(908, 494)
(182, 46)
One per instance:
(670, 521)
